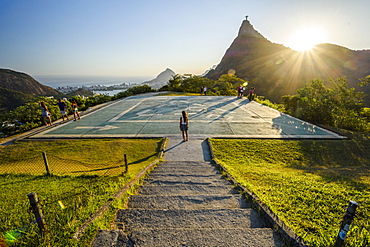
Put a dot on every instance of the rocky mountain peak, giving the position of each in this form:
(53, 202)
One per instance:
(161, 79)
(247, 29)
(277, 70)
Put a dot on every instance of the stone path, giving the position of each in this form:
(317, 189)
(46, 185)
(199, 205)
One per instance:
(186, 202)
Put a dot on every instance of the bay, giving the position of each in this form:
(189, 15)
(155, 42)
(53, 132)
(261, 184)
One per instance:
(79, 81)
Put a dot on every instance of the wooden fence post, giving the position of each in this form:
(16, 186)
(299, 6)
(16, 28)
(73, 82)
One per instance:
(36, 210)
(126, 164)
(46, 163)
(346, 222)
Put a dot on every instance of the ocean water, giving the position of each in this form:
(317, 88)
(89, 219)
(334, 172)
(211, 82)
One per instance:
(79, 81)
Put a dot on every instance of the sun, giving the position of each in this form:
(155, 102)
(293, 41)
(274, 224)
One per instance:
(305, 39)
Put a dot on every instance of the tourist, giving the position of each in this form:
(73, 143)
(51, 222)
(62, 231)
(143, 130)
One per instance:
(45, 113)
(75, 110)
(184, 125)
(241, 92)
(205, 90)
(63, 109)
(251, 94)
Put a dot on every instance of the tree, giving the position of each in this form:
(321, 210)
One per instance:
(333, 105)
(174, 83)
(365, 81)
(193, 83)
(227, 84)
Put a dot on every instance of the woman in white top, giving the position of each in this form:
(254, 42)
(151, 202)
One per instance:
(45, 113)
(184, 125)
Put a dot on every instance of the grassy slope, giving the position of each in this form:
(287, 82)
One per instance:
(306, 183)
(67, 201)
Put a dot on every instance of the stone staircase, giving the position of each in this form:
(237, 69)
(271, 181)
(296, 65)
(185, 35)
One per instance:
(187, 203)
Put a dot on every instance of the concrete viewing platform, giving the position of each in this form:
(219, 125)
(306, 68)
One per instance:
(209, 116)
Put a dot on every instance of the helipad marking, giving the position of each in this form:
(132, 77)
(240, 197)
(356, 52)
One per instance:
(106, 127)
(124, 112)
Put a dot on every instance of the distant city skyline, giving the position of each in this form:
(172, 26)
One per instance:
(120, 38)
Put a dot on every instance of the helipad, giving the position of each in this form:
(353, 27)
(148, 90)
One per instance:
(209, 116)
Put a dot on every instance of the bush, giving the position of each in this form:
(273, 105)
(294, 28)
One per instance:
(333, 105)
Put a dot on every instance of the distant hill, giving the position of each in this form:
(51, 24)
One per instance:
(161, 79)
(17, 88)
(276, 70)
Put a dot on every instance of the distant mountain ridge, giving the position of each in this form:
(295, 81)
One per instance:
(276, 70)
(17, 88)
(25, 83)
(161, 79)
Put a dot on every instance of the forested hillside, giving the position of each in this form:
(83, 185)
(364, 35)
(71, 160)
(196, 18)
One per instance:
(17, 88)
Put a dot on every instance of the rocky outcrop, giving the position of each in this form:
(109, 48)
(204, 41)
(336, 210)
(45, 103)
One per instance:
(275, 70)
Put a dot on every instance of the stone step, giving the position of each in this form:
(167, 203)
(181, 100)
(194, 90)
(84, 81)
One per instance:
(200, 237)
(184, 189)
(187, 202)
(182, 180)
(186, 164)
(185, 171)
(180, 177)
(138, 219)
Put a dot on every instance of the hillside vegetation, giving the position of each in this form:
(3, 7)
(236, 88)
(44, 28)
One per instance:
(18, 88)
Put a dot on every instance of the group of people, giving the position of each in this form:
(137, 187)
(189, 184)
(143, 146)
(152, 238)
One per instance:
(63, 111)
(203, 90)
(241, 90)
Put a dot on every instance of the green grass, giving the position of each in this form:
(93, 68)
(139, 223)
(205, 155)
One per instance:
(67, 200)
(306, 183)
(76, 157)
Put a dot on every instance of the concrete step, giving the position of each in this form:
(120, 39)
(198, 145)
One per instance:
(187, 202)
(201, 237)
(186, 180)
(185, 171)
(186, 164)
(180, 177)
(139, 219)
(184, 189)
(254, 237)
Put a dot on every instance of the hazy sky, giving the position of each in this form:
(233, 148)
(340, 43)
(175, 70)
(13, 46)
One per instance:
(143, 38)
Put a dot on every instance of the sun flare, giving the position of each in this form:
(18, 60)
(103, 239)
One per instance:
(305, 39)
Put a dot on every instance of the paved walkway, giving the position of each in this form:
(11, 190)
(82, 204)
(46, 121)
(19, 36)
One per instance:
(186, 202)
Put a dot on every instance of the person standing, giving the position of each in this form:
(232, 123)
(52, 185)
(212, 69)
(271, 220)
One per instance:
(75, 110)
(205, 90)
(241, 91)
(184, 126)
(63, 109)
(45, 113)
(251, 92)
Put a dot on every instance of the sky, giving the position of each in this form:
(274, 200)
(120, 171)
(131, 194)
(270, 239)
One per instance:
(126, 38)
